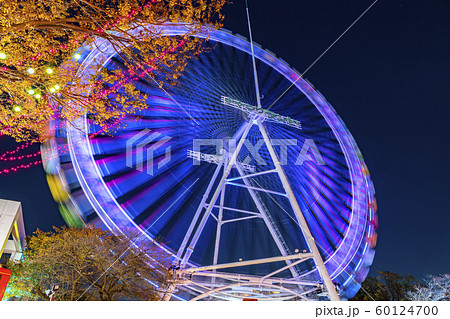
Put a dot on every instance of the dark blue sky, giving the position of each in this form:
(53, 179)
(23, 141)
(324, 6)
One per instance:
(388, 80)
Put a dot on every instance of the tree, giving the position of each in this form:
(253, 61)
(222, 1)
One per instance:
(38, 69)
(89, 264)
(434, 288)
(387, 286)
(371, 289)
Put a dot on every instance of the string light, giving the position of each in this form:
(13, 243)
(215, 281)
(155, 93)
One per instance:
(140, 72)
(62, 149)
(18, 149)
(18, 158)
(8, 157)
(19, 167)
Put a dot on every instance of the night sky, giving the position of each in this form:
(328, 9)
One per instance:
(387, 78)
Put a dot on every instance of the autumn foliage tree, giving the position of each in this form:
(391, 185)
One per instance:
(89, 264)
(39, 77)
(387, 286)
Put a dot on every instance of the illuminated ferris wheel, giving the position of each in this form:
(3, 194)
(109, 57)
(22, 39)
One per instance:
(255, 188)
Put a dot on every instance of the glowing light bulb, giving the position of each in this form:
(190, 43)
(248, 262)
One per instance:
(17, 108)
(52, 90)
(31, 91)
(49, 71)
(57, 87)
(30, 70)
(2, 55)
(38, 96)
(77, 56)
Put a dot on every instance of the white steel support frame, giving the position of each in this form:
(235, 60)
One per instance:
(196, 228)
(262, 211)
(301, 257)
(277, 237)
(231, 162)
(228, 163)
(249, 278)
(300, 218)
(197, 214)
(279, 288)
(218, 289)
(220, 217)
(229, 286)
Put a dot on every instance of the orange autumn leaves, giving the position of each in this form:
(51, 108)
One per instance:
(39, 78)
(90, 264)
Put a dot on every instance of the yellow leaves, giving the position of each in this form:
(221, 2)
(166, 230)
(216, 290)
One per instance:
(75, 257)
(45, 34)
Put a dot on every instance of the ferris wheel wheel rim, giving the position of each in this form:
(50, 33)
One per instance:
(308, 90)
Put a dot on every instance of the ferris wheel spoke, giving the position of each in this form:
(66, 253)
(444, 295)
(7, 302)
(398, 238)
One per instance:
(140, 199)
(318, 200)
(320, 233)
(160, 218)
